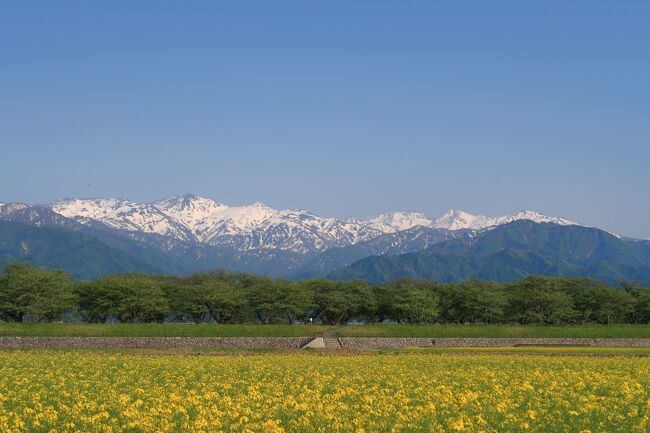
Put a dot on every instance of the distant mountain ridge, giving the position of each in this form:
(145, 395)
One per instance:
(84, 257)
(198, 219)
(406, 241)
(458, 220)
(188, 233)
(512, 251)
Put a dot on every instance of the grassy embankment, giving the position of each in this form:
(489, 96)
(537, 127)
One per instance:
(497, 331)
(425, 331)
(156, 330)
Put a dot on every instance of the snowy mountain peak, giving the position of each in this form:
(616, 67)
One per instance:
(456, 220)
(189, 210)
(122, 214)
(187, 200)
(532, 216)
(395, 221)
(256, 225)
(183, 201)
(7, 208)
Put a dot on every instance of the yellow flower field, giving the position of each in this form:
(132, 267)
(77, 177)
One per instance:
(82, 391)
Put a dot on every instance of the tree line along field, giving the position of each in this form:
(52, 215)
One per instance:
(72, 391)
(41, 295)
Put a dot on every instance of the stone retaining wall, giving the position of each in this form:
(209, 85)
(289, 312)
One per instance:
(377, 343)
(510, 342)
(150, 342)
(296, 342)
(396, 343)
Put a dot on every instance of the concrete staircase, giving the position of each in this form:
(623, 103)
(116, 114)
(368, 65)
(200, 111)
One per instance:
(326, 340)
(314, 343)
(332, 342)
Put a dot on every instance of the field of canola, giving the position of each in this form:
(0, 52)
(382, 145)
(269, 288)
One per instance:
(83, 391)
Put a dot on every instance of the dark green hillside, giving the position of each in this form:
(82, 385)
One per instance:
(501, 266)
(513, 251)
(574, 243)
(59, 248)
(407, 241)
(164, 253)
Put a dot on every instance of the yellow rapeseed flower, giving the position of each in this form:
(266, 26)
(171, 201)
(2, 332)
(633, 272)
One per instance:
(87, 391)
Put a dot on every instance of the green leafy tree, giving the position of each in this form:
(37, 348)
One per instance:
(407, 301)
(3, 293)
(96, 300)
(548, 307)
(279, 300)
(131, 297)
(44, 294)
(176, 293)
(339, 302)
(6, 307)
(604, 305)
(642, 306)
(474, 301)
(216, 299)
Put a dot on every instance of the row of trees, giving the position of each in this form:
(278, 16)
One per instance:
(223, 297)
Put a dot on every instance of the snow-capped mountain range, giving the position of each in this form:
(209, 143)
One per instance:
(186, 234)
(257, 227)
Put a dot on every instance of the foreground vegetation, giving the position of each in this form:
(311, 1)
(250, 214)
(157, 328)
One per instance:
(68, 391)
(496, 331)
(43, 296)
(370, 330)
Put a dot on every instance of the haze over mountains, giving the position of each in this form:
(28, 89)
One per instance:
(187, 233)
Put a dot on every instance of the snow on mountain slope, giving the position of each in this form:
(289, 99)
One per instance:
(7, 208)
(189, 209)
(532, 216)
(37, 216)
(395, 221)
(260, 227)
(456, 220)
(123, 215)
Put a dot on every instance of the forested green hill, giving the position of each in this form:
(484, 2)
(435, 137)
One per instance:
(513, 251)
(83, 257)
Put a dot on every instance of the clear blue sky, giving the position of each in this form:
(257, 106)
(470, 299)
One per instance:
(343, 108)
